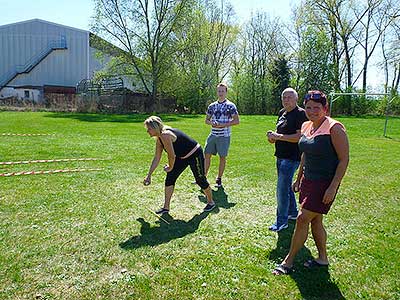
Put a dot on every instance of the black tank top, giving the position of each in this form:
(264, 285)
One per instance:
(183, 144)
(321, 159)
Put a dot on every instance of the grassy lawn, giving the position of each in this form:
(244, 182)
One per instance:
(91, 236)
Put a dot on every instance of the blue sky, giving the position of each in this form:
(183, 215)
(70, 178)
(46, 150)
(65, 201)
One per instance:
(77, 13)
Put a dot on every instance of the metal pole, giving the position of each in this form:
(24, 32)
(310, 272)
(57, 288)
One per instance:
(365, 94)
(387, 114)
(331, 102)
(384, 130)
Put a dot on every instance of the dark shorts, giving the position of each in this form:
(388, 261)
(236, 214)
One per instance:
(311, 194)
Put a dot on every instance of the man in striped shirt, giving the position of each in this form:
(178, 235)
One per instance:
(221, 115)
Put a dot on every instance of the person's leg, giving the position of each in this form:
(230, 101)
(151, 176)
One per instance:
(207, 191)
(168, 191)
(207, 163)
(285, 169)
(292, 213)
(299, 236)
(172, 176)
(319, 235)
(281, 198)
(223, 143)
(209, 149)
(222, 164)
(197, 166)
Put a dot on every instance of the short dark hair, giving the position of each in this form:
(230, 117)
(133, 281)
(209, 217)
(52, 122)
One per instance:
(223, 84)
(316, 96)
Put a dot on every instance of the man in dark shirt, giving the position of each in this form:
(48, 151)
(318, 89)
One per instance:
(287, 153)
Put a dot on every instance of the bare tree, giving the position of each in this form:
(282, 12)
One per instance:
(391, 55)
(144, 30)
(261, 42)
(342, 25)
(373, 25)
(206, 46)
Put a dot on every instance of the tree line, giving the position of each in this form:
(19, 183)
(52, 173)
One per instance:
(183, 48)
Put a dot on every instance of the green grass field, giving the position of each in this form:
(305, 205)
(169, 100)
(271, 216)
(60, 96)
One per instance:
(91, 236)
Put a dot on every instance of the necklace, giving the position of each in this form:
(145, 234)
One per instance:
(313, 130)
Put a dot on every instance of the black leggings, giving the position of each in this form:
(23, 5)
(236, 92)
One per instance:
(196, 163)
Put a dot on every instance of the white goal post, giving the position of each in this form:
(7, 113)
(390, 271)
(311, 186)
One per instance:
(334, 96)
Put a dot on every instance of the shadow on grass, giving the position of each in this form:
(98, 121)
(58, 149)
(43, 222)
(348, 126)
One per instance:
(153, 236)
(131, 118)
(220, 198)
(314, 283)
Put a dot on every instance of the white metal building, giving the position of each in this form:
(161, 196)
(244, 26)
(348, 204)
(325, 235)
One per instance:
(36, 54)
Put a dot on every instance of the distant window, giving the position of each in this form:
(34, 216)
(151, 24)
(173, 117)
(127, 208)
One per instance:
(26, 94)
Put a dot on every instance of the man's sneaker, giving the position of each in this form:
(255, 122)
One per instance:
(218, 182)
(292, 217)
(162, 211)
(276, 228)
(209, 206)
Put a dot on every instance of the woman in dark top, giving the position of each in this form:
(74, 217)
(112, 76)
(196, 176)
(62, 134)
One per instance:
(325, 156)
(182, 151)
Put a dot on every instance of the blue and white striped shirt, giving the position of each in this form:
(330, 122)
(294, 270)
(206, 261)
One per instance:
(221, 112)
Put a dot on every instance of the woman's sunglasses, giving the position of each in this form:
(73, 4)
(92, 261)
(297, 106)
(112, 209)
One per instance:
(312, 96)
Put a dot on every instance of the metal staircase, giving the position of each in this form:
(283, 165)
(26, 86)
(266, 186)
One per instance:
(60, 44)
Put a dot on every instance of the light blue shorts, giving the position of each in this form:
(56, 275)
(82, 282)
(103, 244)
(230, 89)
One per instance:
(217, 144)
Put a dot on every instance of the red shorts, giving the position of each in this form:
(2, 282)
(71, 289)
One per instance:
(311, 194)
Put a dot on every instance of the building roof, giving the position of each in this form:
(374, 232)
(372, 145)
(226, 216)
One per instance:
(45, 22)
(95, 41)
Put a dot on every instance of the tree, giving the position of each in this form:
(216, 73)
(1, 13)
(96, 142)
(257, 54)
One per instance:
(205, 48)
(391, 63)
(261, 41)
(377, 19)
(335, 15)
(280, 78)
(316, 62)
(144, 30)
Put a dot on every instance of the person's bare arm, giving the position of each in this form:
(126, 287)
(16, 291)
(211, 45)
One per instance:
(341, 144)
(291, 138)
(154, 163)
(235, 121)
(208, 120)
(296, 184)
(167, 141)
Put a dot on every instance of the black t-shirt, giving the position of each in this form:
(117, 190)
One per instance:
(289, 123)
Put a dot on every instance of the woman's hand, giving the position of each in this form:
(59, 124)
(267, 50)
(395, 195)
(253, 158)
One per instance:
(329, 195)
(147, 180)
(167, 168)
(296, 186)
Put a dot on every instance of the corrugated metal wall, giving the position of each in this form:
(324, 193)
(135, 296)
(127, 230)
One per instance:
(97, 62)
(21, 42)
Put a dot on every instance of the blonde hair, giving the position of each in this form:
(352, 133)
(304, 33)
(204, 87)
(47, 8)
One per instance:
(156, 123)
(222, 84)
